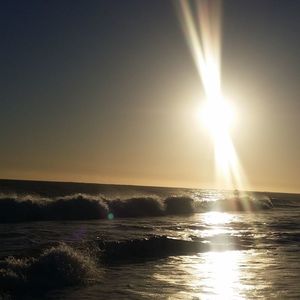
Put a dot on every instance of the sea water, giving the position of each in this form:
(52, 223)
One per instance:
(81, 241)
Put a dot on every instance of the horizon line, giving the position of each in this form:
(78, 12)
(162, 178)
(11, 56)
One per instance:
(139, 185)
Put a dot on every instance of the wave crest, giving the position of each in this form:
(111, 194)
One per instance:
(179, 205)
(75, 207)
(241, 204)
(136, 207)
(85, 207)
(56, 267)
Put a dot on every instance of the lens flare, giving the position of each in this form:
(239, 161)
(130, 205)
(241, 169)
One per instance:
(201, 23)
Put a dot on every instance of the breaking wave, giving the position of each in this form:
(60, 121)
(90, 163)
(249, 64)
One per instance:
(136, 207)
(237, 204)
(56, 267)
(63, 266)
(179, 205)
(161, 246)
(84, 207)
(21, 209)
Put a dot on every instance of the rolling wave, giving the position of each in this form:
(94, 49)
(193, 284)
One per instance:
(161, 246)
(62, 265)
(84, 207)
(245, 204)
(56, 267)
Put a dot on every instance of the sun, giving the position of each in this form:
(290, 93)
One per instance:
(201, 23)
(218, 116)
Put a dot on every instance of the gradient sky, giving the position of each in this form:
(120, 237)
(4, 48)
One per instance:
(107, 91)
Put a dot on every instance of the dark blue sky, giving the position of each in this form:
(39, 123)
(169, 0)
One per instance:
(104, 91)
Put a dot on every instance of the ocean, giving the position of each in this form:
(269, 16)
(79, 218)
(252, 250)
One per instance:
(93, 241)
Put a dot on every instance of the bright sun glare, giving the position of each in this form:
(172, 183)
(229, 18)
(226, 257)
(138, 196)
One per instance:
(218, 116)
(201, 22)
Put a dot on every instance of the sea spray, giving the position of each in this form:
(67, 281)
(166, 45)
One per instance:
(56, 267)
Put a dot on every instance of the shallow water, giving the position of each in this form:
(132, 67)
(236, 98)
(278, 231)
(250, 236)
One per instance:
(208, 255)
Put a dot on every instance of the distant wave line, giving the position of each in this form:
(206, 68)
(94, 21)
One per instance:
(84, 207)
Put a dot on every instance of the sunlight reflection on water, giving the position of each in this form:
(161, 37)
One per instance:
(212, 275)
(216, 218)
(221, 273)
(220, 270)
(217, 223)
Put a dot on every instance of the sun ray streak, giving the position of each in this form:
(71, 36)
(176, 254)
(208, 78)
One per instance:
(201, 23)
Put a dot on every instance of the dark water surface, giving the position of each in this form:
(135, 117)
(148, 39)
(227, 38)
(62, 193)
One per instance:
(162, 251)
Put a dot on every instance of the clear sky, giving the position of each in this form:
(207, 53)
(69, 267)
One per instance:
(107, 91)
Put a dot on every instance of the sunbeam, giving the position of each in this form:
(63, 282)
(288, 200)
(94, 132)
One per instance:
(201, 23)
